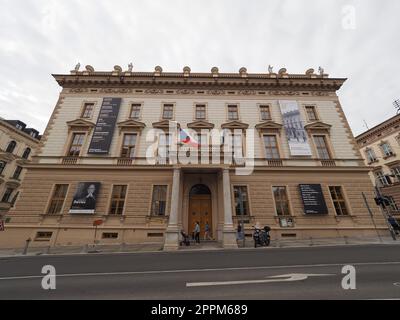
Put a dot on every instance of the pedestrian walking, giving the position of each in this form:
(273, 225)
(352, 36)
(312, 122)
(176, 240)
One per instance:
(207, 231)
(197, 232)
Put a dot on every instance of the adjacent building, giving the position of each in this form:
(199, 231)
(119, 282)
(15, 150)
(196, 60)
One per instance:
(142, 156)
(17, 146)
(380, 147)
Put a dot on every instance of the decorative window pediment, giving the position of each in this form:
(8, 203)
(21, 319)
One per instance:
(80, 124)
(318, 126)
(200, 124)
(268, 126)
(163, 124)
(131, 124)
(234, 125)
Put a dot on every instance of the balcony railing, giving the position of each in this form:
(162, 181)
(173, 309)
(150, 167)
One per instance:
(328, 163)
(198, 158)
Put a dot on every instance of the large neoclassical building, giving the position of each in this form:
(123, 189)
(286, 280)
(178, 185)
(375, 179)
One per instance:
(146, 155)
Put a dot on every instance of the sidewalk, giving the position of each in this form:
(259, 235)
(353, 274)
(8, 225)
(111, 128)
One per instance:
(207, 245)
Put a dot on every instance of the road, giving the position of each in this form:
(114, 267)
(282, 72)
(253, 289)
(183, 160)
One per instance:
(302, 273)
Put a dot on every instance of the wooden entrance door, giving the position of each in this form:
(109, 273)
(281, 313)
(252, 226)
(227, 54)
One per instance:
(200, 210)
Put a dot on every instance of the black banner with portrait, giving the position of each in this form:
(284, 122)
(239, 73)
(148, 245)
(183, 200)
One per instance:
(85, 198)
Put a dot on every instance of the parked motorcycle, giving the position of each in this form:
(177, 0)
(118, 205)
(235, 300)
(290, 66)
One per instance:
(262, 237)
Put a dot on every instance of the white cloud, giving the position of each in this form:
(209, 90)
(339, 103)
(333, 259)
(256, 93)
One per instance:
(39, 37)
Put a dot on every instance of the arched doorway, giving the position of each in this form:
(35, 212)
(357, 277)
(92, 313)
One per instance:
(200, 208)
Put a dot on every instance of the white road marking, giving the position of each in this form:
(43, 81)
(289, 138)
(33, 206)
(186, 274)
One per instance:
(94, 274)
(280, 278)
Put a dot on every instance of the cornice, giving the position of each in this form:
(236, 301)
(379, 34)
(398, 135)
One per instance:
(380, 128)
(207, 81)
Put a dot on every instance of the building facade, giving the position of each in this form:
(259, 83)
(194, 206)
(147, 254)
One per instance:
(268, 148)
(380, 148)
(17, 146)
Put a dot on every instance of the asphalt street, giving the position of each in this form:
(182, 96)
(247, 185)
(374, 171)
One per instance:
(271, 273)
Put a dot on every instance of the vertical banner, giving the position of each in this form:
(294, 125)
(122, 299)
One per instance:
(294, 128)
(105, 126)
(313, 199)
(85, 198)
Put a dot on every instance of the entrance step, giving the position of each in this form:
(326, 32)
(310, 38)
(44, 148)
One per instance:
(204, 244)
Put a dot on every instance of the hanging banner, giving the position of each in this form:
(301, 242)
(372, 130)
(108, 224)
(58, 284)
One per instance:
(313, 199)
(85, 198)
(104, 130)
(294, 128)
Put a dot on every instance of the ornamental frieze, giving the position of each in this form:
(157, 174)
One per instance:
(216, 92)
(247, 92)
(154, 91)
(284, 93)
(116, 90)
(185, 91)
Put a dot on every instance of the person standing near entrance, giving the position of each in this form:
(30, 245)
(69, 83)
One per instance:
(197, 232)
(207, 231)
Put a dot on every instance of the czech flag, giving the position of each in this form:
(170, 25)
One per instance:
(186, 139)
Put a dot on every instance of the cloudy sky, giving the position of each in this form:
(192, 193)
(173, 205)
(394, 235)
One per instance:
(349, 38)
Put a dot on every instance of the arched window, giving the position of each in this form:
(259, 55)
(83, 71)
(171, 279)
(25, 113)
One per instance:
(26, 154)
(199, 189)
(11, 146)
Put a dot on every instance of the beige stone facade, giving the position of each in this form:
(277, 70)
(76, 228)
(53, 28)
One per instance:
(17, 146)
(380, 148)
(162, 198)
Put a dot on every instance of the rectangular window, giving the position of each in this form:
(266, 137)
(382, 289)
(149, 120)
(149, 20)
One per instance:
(322, 148)
(233, 113)
(281, 201)
(128, 145)
(338, 200)
(159, 201)
(387, 149)
(43, 235)
(168, 111)
(241, 201)
(109, 235)
(57, 199)
(311, 113)
(265, 113)
(135, 111)
(2, 166)
(200, 111)
(382, 178)
(17, 172)
(76, 144)
(14, 199)
(164, 144)
(118, 196)
(396, 173)
(271, 147)
(371, 157)
(87, 111)
(7, 195)
(392, 203)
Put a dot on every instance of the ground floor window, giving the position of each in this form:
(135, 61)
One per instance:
(57, 198)
(281, 200)
(339, 201)
(241, 200)
(159, 200)
(109, 235)
(43, 235)
(118, 195)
